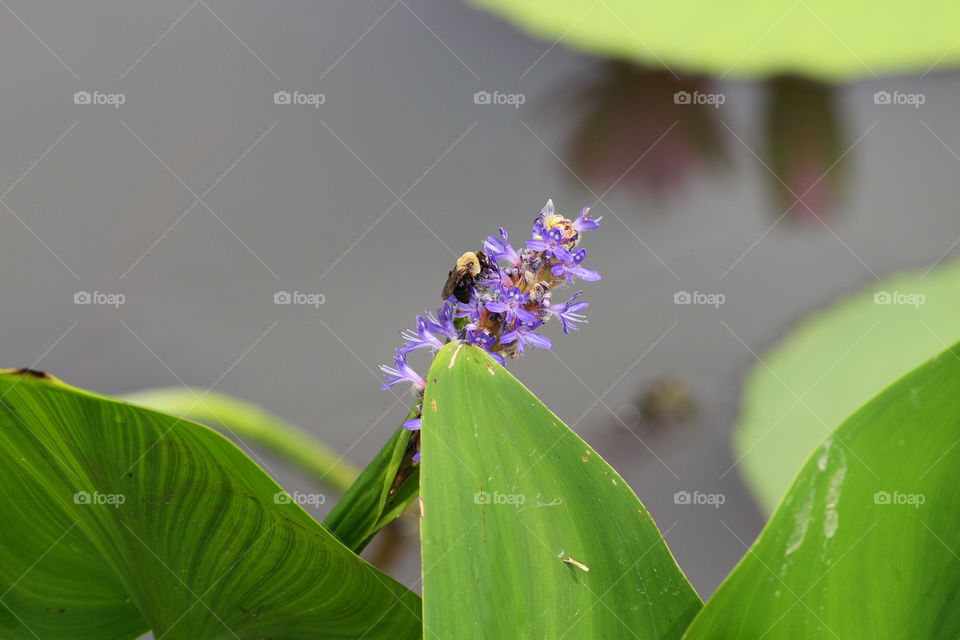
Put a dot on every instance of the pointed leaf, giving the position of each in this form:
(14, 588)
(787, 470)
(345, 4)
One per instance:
(832, 364)
(527, 532)
(866, 544)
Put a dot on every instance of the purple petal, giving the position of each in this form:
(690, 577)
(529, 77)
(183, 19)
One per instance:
(496, 307)
(547, 209)
(562, 254)
(538, 341)
(537, 245)
(413, 424)
(585, 274)
(525, 316)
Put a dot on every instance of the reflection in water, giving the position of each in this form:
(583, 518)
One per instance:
(667, 401)
(638, 130)
(642, 129)
(659, 406)
(804, 145)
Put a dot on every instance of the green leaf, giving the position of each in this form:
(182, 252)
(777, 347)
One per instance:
(379, 495)
(819, 38)
(119, 519)
(832, 364)
(517, 508)
(866, 543)
(253, 424)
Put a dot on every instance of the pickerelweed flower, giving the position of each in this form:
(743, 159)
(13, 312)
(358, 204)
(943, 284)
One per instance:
(510, 300)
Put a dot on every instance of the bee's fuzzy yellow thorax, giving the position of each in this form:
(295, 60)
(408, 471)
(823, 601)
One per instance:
(469, 261)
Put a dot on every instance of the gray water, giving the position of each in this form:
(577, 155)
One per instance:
(367, 200)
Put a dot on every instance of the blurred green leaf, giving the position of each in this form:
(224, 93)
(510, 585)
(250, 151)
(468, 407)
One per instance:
(119, 519)
(832, 364)
(818, 38)
(254, 425)
(517, 508)
(866, 545)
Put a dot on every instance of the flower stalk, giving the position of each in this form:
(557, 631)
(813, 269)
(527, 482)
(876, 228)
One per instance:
(506, 303)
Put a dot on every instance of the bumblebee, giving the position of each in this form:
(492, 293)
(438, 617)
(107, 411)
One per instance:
(462, 278)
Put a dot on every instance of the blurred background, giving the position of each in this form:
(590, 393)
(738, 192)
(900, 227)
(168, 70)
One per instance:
(182, 163)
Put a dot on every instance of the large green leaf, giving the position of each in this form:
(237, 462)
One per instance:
(517, 508)
(866, 544)
(823, 38)
(372, 498)
(118, 519)
(835, 362)
(252, 423)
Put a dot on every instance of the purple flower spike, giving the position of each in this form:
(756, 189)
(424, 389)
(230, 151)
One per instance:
(401, 372)
(509, 300)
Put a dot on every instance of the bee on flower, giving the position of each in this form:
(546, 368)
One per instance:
(500, 297)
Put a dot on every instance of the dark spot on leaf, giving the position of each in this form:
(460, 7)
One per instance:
(23, 371)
